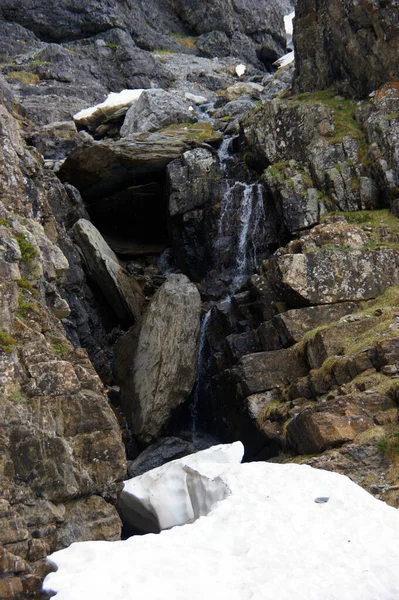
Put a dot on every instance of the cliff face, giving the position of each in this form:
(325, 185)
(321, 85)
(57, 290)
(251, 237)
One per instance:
(299, 350)
(350, 44)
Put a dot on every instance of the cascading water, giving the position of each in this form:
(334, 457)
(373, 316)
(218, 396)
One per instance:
(200, 368)
(241, 222)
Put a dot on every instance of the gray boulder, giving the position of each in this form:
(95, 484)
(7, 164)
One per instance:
(333, 263)
(154, 110)
(156, 455)
(164, 365)
(122, 291)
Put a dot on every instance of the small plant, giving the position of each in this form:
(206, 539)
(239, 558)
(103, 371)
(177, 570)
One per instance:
(24, 307)
(113, 47)
(4, 223)
(25, 284)
(186, 41)
(24, 77)
(60, 349)
(18, 398)
(28, 252)
(7, 342)
(389, 444)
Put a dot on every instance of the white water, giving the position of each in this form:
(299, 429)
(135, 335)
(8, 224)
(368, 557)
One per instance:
(200, 364)
(246, 201)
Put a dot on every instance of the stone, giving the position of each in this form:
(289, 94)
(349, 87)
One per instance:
(257, 402)
(155, 110)
(325, 276)
(330, 341)
(332, 424)
(122, 291)
(241, 344)
(299, 201)
(99, 168)
(194, 182)
(250, 89)
(267, 370)
(163, 367)
(156, 455)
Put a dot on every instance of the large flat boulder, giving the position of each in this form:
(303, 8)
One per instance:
(163, 368)
(334, 262)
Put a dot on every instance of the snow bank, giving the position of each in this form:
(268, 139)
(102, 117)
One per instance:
(240, 69)
(115, 104)
(285, 60)
(160, 499)
(288, 23)
(267, 539)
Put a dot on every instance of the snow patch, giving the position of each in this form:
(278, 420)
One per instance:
(285, 60)
(116, 103)
(288, 23)
(269, 538)
(240, 69)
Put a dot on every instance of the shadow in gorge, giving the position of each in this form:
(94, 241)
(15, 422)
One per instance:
(134, 220)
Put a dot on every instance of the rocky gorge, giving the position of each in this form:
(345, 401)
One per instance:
(204, 256)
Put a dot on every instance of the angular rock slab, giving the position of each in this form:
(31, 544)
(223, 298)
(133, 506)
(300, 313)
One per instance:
(164, 364)
(154, 110)
(269, 538)
(330, 276)
(122, 292)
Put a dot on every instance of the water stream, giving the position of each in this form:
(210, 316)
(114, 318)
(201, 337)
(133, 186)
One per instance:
(201, 359)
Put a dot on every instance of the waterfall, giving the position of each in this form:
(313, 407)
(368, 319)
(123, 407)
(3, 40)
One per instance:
(241, 224)
(200, 368)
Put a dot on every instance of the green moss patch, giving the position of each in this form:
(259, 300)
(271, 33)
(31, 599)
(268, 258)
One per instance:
(344, 117)
(24, 77)
(197, 132)
(7, 342)
(28, 252)
(389, 444)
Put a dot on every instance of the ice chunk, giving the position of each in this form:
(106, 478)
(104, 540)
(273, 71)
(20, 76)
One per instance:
(160, 499)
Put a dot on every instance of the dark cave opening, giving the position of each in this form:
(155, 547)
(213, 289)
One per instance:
(133, 221)
(267, 56)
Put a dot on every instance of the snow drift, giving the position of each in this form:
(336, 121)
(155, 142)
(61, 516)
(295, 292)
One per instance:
(269, 537)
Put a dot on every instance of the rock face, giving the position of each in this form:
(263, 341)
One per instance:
(194, 184)
(163, 367)
(351, 44)
(61, 455)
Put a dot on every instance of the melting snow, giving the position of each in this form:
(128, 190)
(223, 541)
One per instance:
(285, 60)
(114, 102)
(240, 69)
(269, 537)
(288, 22)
